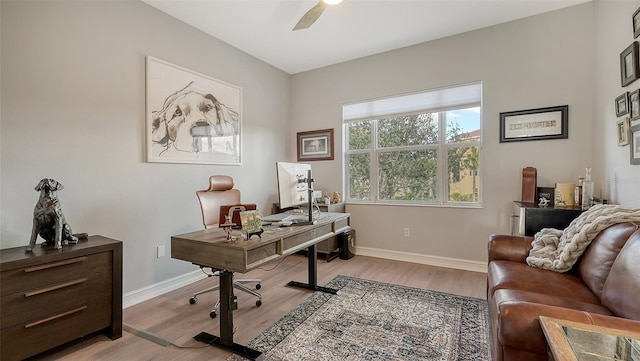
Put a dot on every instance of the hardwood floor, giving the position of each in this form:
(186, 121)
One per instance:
(172, 318)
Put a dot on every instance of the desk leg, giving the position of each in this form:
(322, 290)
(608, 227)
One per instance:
(228, 303)
(312, 260)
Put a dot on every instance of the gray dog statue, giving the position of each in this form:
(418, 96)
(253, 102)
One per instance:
(48, 220)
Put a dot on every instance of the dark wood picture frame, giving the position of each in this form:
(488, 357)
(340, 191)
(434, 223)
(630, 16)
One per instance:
(315, 145)
(622, 104)
(634, 104)
(535, 124)
(636, 23)
(634, 144)
(629, 68)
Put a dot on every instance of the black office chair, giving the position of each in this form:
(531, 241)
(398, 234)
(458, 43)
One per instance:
(219, 193)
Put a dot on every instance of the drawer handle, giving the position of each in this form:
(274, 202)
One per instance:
(56, 287)
(53, 265)
(60, 315)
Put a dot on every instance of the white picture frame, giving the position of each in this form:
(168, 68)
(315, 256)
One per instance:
(191, 117)
(623, 131)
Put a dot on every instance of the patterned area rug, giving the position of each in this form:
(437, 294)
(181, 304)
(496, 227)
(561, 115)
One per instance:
(372, 320)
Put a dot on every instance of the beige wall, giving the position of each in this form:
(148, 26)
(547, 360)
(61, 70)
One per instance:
(536, 62)
(73, 109)
(72, 97)
(618, 180)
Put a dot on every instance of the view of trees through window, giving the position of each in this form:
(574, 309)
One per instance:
(415, 158)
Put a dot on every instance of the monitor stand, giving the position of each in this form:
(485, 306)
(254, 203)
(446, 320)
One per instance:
(309, 181)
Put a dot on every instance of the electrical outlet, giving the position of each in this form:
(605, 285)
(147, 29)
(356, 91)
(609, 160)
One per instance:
(160, 251)
(407, 232)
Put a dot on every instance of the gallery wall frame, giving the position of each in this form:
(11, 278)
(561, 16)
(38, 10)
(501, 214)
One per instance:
(315, 145)
(629, 68)
(622, 104)
(634, 104)
(191, 117)
(636, 23)
(634, 143)
(623, 131)
(535, 124)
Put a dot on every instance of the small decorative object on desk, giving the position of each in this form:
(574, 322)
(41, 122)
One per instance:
(48, 220)
(228, 225)
(336, 197)
(326, 198)
(251, 223)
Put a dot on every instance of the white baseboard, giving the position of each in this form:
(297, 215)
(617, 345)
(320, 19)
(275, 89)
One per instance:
(157, 289)
(456, 263)
(146, 293)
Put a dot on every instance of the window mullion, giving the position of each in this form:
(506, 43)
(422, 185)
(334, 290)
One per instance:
(373, 169)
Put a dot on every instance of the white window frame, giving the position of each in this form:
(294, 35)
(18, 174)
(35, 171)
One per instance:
(358, 112)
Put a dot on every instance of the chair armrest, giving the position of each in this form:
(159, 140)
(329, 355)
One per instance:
(509, 248)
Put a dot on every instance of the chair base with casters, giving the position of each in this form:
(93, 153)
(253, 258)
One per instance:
(237, 284)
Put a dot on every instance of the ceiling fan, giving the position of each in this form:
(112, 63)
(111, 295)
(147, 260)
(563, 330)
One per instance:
(313, 14)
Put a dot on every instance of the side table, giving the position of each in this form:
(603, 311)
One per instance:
(575, 341)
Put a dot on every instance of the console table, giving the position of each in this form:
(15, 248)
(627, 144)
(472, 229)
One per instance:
(209, 248)
(530, 218)
(50, 297)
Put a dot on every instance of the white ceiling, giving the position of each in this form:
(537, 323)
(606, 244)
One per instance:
(350, 30)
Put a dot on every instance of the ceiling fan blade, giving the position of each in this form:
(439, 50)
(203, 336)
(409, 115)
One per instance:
(310, 17)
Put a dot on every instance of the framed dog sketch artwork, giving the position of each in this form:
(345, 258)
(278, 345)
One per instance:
(191, 117)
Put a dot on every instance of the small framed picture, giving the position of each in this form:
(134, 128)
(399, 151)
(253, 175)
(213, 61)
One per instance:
(315, 145)
(623, 131)
(635, 144)
(622, 105)
(634, 104)
(629, 70)
(636, 23)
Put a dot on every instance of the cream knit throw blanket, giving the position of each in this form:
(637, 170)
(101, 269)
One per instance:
(558, 250)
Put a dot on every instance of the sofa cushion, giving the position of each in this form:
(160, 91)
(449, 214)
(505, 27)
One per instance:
(597, 260)
(518, 313)
(520, 276)
(624, 280)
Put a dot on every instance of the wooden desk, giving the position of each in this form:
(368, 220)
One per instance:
(209, 248)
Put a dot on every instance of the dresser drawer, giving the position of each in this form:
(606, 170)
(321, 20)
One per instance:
(54, 298)
(41, 275)
(39, 335)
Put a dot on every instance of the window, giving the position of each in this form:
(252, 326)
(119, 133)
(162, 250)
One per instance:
(421, 148)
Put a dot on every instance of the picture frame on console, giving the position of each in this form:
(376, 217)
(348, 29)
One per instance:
(629, 69)
(622, 104)
(315, 145)
(535, 124)
(635, 144)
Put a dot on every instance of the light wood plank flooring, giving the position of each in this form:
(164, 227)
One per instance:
(171, 317)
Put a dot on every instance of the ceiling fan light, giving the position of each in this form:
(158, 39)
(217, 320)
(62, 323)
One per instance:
(332, 2)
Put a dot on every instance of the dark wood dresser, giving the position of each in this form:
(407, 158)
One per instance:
(49, 297)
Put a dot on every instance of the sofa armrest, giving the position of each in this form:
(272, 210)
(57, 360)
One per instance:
(509, 248)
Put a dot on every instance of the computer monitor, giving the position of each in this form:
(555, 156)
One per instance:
(293, 188)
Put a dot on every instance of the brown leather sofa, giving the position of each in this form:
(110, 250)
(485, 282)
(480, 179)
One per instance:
(602, 288)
